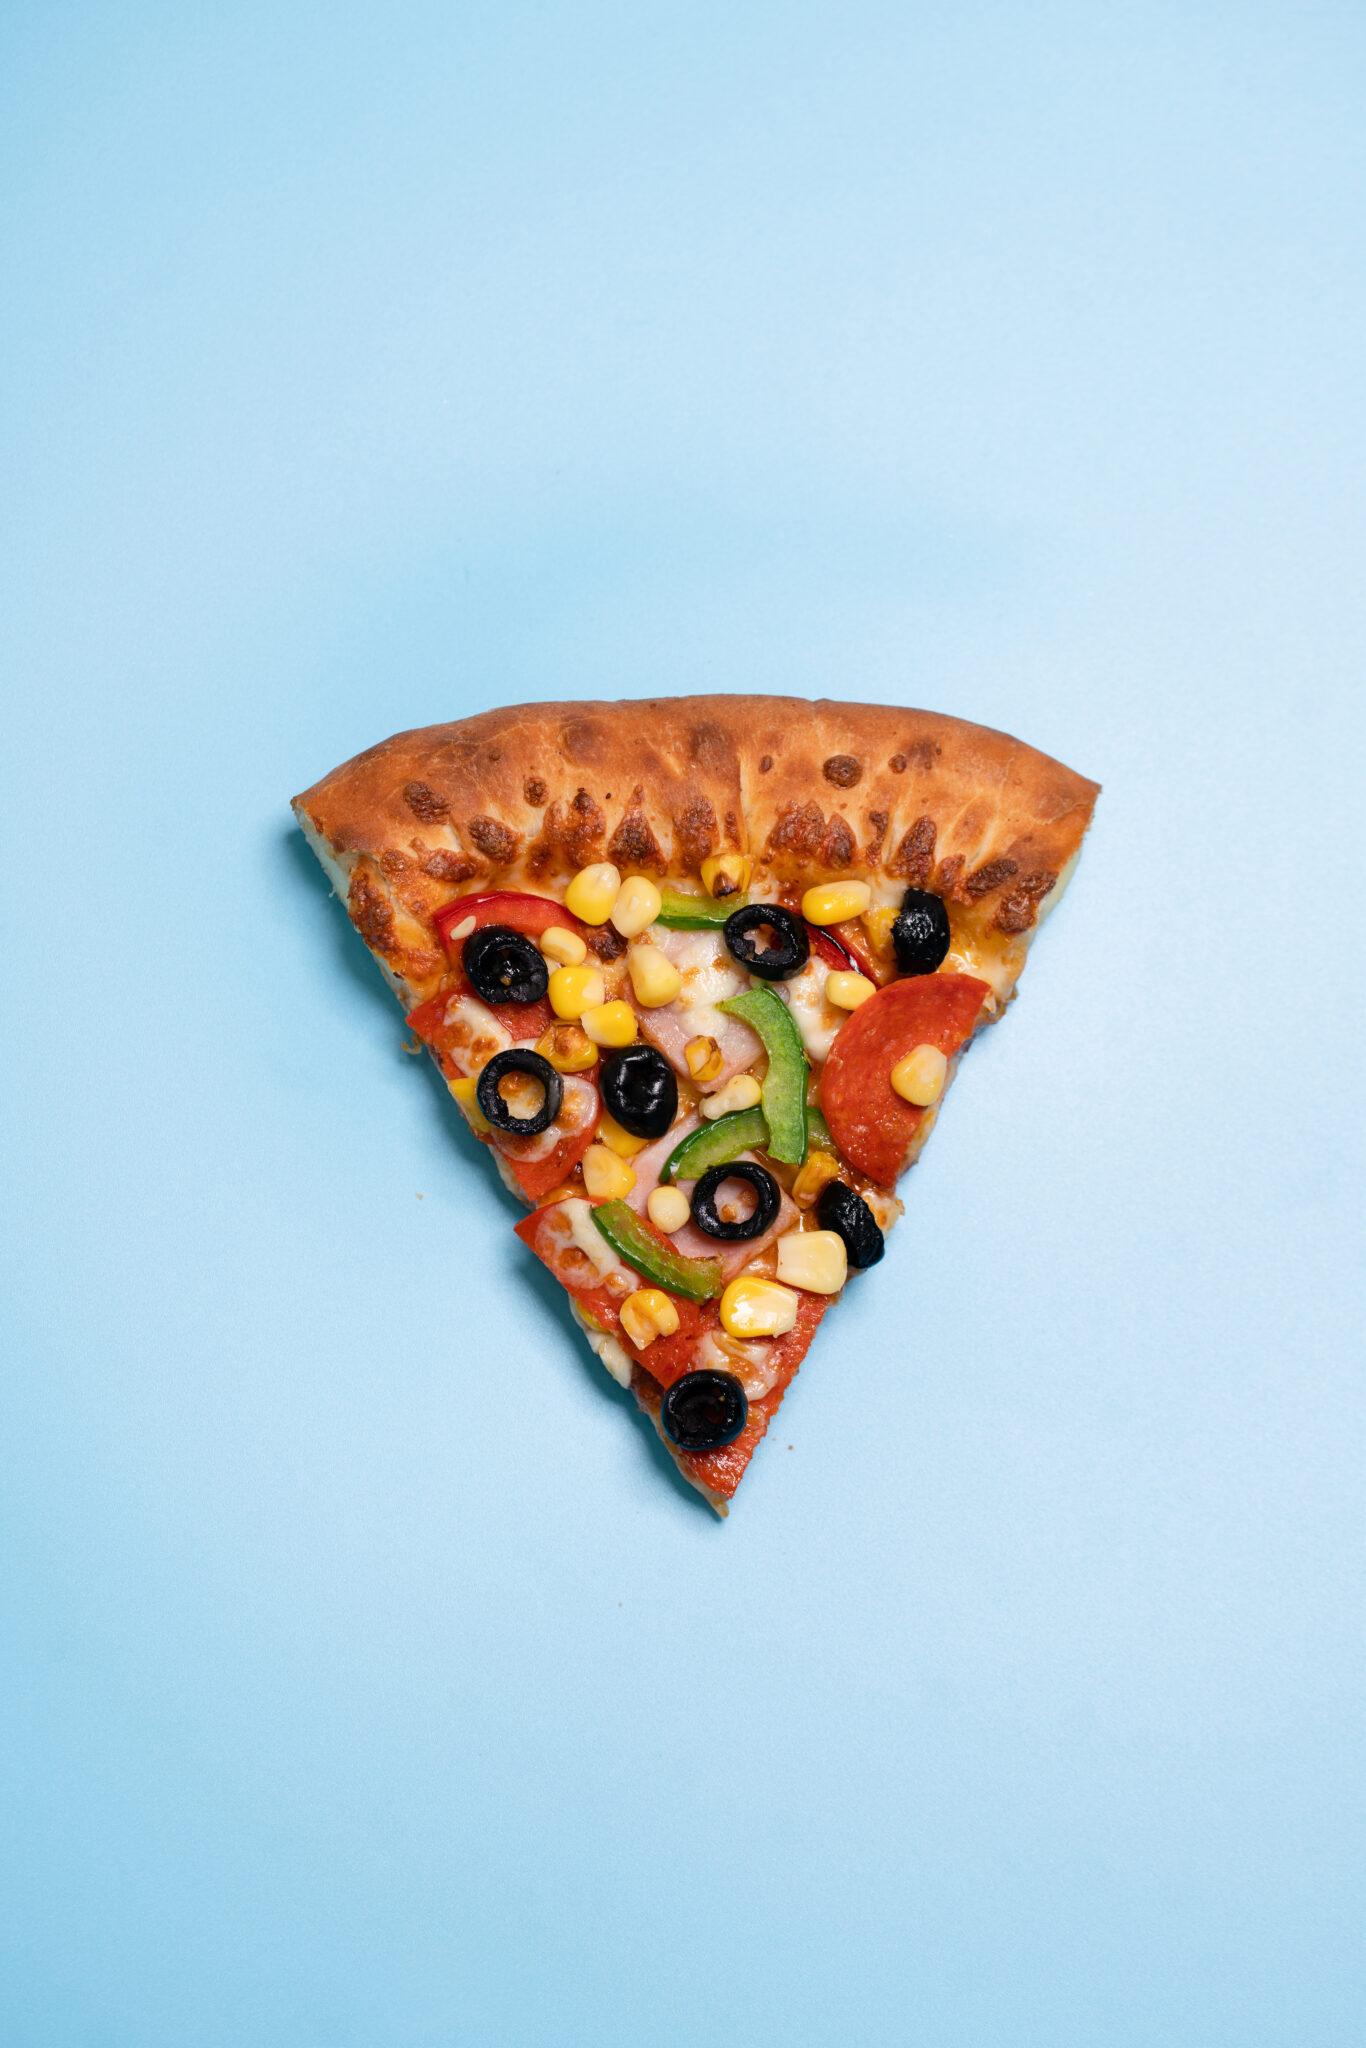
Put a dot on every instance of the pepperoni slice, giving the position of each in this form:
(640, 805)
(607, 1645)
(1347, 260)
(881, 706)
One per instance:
(868, 1120)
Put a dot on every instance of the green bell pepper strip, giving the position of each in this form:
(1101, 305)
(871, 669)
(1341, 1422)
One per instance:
(784, 1092)
(818, 1132)
(697, 913)
(744, 1130)
(660, 1264)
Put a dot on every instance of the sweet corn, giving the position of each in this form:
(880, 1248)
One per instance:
(605, 1177)
(704, 1058)
(463, 1091)
(813, 1259)
(668, 1209)
(847, 991)
(647, 1314)
(593, 891)
(725, 874)
(742, 1091)
(624, 1143)
(568, 1048)
(832, 902)
(758, 1308)
(820, 1169)
(919, 1078)
(654, 977)
(878, 925)
(610, 1023)
(563, 946)
(638, 903)
(574, 990)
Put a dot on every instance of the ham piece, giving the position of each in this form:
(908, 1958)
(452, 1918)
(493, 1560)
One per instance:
(709, 976)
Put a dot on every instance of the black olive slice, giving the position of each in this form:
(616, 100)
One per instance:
(848, 1215)
(921, 932)
(640, 1090)
(767, 1202)
(703, 1410)
(772, 962)
(502, 966)
(519, 1059)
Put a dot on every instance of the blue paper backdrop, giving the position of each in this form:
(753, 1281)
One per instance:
(368, 1682)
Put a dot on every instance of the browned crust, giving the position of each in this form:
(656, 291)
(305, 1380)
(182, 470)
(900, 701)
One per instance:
(529, 793)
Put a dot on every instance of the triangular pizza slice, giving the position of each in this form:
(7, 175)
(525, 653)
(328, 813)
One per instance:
(698, 970)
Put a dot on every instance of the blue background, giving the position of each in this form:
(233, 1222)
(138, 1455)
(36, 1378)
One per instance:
(367, 1679)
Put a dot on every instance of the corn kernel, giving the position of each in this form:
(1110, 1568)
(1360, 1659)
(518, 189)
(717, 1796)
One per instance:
(566, 948)
(610, 1023)
(704, 1057)
(605, 1177)
(624, 1143)
(832, 902)
(878, 925)
(847, 991)
(820, 1169)
(638, 903)
(593, 891)
(654, 978)
(742, 1091)
(463, 1091)
(647, 1314)
(668, 1209)
(919, 1078)
(574, 990)
(568, 1048)
(813, 1259)
(725, 874)
(758, 1308)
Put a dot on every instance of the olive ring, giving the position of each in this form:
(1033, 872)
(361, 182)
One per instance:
(640, 1090)
(704, 1410)
(502, 966)
(767, 1202)
(770, 963)
(519, 1060)
(920, 934)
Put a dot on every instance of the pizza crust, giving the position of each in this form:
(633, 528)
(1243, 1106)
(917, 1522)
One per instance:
(523, 797)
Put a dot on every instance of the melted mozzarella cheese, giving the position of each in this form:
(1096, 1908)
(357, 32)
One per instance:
(710, 976)
(606, 1347)
(476, 1034)
(815, 1018)
(587, 1238)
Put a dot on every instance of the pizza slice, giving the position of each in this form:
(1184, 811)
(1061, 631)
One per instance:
(698, 972)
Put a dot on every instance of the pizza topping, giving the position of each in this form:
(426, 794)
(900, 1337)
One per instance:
(464, 1092)
(704, 1057)
(920, 1076)
(610, 1023)
(847, 991)
(724, 1220)
(784, 1085)
(502, 966)
(921, 933)
(741, 1092)
(657, 1261)
(726, 874)
(814, 1259)
(876, 1129)
(532, 915)
(639, 1089)
(703, 1411)
(768, 941)
(714, 1144)
(654, 978)
(820, 1169)
(758, 1308)
(694, 913)
(606, 1177)
(593, 891)
(637, 905)
(668, 1209)
(840, 1210)
(573, 990)
(647, 1314)
(616, 1138)
(522, 1116)
(568, 1048)
(564, 947)
(833, 902)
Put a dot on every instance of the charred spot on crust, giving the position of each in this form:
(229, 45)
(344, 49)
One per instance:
(495, 841)
(925, 753)
(424, 803)
(949, 870)
(575, 830)
(914, 857)
(798, 831)
(695, 825)
(843, 770)
(878, 821)
(535, 791)
(765, 764)
(732, 830)
(991, 876)
(1018, 910)
(838, 846)
(370, 912)
(605, 944)
(710, 748)
(898, 764)
(446, 866)
(394, 862)
(633, 844)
